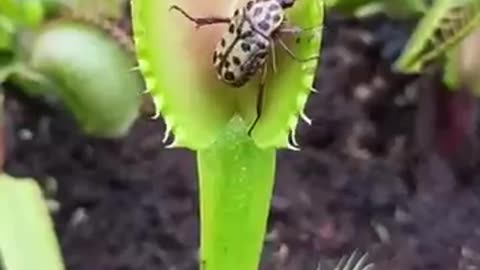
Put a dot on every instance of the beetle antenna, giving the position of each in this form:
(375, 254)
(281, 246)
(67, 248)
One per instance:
(199, 22)
(181, 10)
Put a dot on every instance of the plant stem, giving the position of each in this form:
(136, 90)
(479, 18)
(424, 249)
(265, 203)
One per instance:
(236, 182)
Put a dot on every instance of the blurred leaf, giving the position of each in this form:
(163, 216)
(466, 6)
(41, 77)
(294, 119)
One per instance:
(393, 8)
(6, 33)
(91, 74)
(8, 8)
(450, 68)
(112, 9)
(443, 27)
(27, 235)
(25, 12)
(7, 65)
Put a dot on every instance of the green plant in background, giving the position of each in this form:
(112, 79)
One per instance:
(49, 49)
(443, 38)
(439, 36)
(27, 238)
(72, 61)
(236, 170)
(394, 8)
(446, 36)
(443, 27)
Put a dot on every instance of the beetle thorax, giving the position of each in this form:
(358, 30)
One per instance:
(264, 15)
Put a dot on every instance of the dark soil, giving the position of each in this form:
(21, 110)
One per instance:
(368, 176)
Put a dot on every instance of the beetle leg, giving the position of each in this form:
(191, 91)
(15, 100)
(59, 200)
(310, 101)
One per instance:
(274, 59)
(295, 30)
(289, 29)
(261, 91)
(201, 21)
(293, 56)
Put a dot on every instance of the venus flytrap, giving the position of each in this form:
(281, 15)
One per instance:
(236, 167)
(444, 26)
(441, 37)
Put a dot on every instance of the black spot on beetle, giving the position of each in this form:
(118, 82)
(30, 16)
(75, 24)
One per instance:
(276, 18)
(223, 42)
(231, 28)
(247, 33)
(257, 12)
(236, 61)
(249, 5)
(245, 47)
(268, 17)
(229, 76)
(215, 56)
(273, 7)
(236, 12)
(227, 64)
(265, 26)
(262, 54)
(262, 45)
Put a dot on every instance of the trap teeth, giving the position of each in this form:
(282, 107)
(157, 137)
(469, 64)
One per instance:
(305, 118)
(293, 148)
(173, 144)
(167, 133)
(313, 89)
(156, 115)
(293, 138)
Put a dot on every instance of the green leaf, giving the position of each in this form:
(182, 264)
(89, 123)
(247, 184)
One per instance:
(25, 12)
(7, 29)
(91, 74)
(443, 27)
(450, 69)
(27, 236)
(236, 181)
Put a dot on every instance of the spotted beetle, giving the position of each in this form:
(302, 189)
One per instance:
(252, 31)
